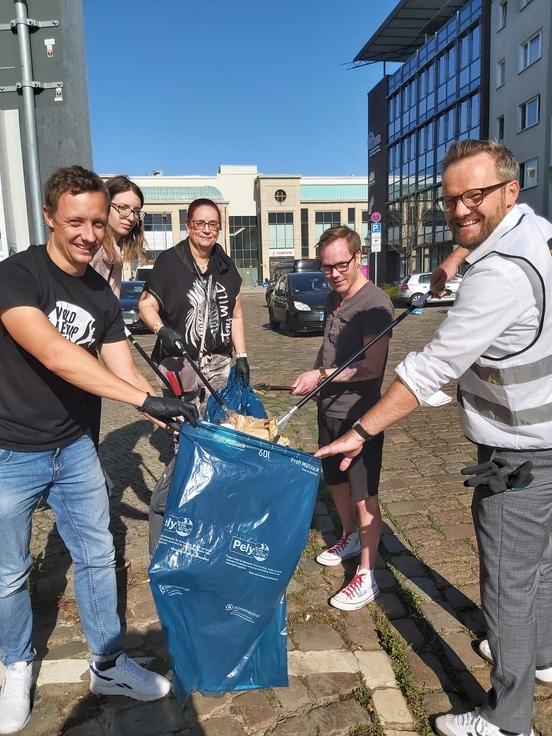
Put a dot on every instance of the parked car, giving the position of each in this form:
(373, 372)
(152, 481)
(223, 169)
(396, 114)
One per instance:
(416, 284)
(142, 272)
(298, 302)
(294, 265)
(130, 296)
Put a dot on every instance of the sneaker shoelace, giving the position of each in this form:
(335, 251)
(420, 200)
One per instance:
(355, 585)
(342, 543)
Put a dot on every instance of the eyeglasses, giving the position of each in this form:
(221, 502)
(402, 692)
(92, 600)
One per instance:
(341, 267)
(125, 211)
(213, 226)
(471, 197)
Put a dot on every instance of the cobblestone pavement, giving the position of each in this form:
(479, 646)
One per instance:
(341, 679)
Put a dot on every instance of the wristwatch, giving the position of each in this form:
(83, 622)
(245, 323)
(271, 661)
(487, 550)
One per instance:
(323, 375)
(359, 429)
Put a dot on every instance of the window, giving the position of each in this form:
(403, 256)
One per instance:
(280, 195)
(351, 217)
(529, 112)
(244, 242)
(530, 51)
(502, 14)
(182, 216)
(280, 234)
(305, 233)
(325, 220)
(528, 173)
(158, 231)
(500, 72)
(500, 127)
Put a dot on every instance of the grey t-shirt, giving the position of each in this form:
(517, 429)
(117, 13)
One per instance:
(349, 322)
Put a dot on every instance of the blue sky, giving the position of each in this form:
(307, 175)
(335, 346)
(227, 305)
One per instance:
(182, 87)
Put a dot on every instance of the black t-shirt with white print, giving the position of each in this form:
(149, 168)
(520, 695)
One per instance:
(39, 410)
(183, 294)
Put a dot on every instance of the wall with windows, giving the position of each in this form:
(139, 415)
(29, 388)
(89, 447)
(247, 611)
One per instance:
(434, 98)
(519, 106)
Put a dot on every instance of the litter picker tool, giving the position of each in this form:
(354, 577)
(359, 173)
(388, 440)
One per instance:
(284, 418)
(202, 377)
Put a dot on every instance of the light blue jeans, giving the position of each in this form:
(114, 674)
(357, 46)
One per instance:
(72, 480)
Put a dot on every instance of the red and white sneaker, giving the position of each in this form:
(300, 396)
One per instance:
(361, 590)
(347, 546)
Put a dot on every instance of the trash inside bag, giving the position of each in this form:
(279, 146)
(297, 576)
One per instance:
(237, 519)
(241, 399)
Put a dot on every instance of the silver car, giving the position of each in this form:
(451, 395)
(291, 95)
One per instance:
(416, 284)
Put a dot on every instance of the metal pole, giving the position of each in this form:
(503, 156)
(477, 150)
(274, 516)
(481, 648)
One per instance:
(30, 138)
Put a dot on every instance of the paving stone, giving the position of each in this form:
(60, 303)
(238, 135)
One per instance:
(459, 652)
(257, 711)
(474, 620)
(391, 604)
(221, 727)
(338, 718)
(206, 707)
(542, 715)
(309, 663)
(410, 633)
(427, 671)
(327, 686)
(424, 587)
(409, 566)
(460, 599)
(391, 708)
(401, 508)
(294, 697)
(376, 669)
(311, 637)
(441, 616)
(360, 630)
(393, 544)
(458, 531)
(476, 684)
(437, 704)
(150, 719)
(385, 579)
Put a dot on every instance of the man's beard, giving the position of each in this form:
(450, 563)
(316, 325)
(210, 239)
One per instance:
(489, 224)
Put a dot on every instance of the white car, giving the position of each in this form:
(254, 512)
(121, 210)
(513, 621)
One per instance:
(416, 284)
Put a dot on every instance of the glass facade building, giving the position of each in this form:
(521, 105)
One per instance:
(438, 95)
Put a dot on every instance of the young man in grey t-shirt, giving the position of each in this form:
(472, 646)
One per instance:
(356, 311)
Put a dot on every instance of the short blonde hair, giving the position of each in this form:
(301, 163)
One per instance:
(507, 167)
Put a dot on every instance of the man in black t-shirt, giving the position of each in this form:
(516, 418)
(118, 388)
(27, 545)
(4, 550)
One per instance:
(56, 314)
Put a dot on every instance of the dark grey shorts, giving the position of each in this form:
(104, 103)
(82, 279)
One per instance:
(364, 472)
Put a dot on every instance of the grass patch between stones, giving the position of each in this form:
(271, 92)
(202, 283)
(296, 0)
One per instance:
(397, 650)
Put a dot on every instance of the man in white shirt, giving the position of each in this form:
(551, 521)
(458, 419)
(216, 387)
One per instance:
(498, 344)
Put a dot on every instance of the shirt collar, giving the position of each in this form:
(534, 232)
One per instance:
(503, 226)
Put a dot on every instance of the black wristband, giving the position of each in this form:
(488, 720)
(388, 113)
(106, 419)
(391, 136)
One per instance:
(359, 429)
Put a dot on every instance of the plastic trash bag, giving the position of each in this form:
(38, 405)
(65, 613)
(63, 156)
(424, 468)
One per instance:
(242, 399)
(237, 519)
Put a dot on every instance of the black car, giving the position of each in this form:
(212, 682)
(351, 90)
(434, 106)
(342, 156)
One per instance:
(130, 296)
(291, 266)
(298, 301)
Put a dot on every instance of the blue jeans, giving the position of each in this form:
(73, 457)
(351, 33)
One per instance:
(72, 480)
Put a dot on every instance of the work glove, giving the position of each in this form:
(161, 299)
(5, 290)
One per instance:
(169, 339)
(242, 371)
(162, 407)
(496, 477)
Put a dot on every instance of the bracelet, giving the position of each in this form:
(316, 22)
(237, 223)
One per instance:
(241, 355)
(323, 375)
(359, 429)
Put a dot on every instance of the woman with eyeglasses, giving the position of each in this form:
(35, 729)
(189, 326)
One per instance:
(124, 239)
(192, 298)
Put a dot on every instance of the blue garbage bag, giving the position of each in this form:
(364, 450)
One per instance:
(237, 519)
(242, 399)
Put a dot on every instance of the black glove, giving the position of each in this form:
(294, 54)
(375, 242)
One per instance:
(494, 475)
(161, 408)
(242, 370)
(169, 339)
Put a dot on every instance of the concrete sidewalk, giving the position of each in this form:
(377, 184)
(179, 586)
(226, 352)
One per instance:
(341, 679)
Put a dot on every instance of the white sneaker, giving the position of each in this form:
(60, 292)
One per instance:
(468, 724)
(543, 675)
(128, 678)
(347, 546)
(15, 698)
(361, 590)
